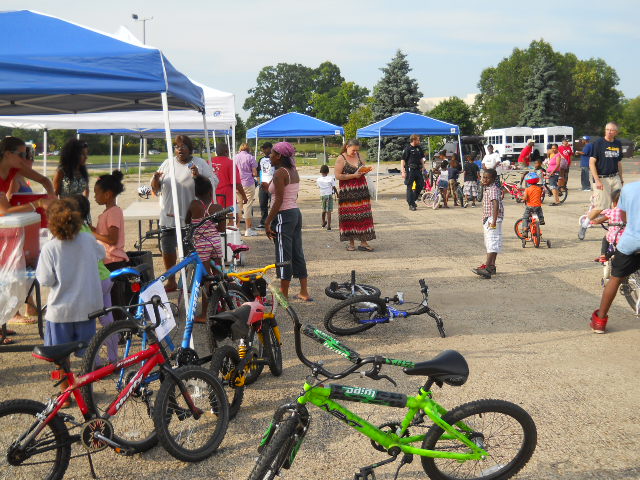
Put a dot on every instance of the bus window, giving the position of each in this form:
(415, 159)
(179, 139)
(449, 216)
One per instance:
(518, 139)
(509, 139)
(559, 138)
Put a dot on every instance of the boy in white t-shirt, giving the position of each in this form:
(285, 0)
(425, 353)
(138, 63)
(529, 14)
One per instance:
(327, 185)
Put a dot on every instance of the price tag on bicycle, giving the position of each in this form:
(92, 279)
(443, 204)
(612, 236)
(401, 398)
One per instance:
(167, 322)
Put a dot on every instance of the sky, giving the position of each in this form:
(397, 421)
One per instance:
(226, 44)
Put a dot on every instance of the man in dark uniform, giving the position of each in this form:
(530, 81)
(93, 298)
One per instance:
(412, 165)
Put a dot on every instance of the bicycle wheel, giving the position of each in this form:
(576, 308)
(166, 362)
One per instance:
(224, 366)
(342, 291)
(503, 429)
(272, 350)
(517, 227)
(45, 457)
(277, 451)
(133, 424)
(255, 368)
(562, 193)
(346, 317)
(184, 437)
(427, 199)
(535, 233)
(235, 297)
(631, 290)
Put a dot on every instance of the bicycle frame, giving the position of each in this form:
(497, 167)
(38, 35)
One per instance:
(322, 398)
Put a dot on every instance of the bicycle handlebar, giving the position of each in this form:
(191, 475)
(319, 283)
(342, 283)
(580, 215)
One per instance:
(258, 272)
(156, 301)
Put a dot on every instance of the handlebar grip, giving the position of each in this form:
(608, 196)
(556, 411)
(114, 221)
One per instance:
(97, 313)
(423, 284)
(283, 264)
(331, 343)
(156, 301)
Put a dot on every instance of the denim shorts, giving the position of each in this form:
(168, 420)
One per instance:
(553, 181)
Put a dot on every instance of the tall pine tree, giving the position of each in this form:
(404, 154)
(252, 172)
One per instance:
(541, 95)
(394, 93)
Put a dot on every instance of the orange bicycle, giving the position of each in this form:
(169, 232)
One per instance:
(532, 234)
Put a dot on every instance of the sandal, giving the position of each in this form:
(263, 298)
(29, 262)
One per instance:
(19, 319)
(351, 248)
(5, 341)
(365, 248)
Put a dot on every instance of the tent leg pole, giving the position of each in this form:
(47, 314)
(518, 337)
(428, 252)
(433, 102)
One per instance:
(234, 196)
(111, 155)
(45, 150)
(208, 147)
(325, 160)
(140, 162)
(378, 170)
(176, 206)
(120, 153)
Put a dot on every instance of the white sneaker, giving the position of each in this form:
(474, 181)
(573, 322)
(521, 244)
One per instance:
(251, 233)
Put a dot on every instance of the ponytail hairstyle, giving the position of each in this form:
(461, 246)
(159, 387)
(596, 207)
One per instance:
(111, 183)
(70, 159)
(353, 142)
(10, 144)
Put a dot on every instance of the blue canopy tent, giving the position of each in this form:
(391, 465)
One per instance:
(51, 66)
(404, 124)
(295, 125)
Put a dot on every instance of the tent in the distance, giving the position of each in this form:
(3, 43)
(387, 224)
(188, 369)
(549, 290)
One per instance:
(405, 124)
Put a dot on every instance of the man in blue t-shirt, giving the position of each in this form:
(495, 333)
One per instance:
(587, 150)
(627, 257)
(606, 170)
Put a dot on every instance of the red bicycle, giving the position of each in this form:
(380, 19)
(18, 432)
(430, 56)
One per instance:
(513, 189)
(532, 234)
(190, 413)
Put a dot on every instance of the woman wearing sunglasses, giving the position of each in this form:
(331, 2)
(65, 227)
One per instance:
(13, 152)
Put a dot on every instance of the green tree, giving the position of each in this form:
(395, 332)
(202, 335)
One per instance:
(241, 130)
(358, 118)
(629, 118)
(327, 77)
(335, 105)
(541, 95)
(395, 93)
(279, 90)
(454, 110)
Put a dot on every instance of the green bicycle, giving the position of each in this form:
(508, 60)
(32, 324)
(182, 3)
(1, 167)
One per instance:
(484, 439)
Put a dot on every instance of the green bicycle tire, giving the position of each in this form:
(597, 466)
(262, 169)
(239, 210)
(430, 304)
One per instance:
(433, 467)
(277, 451)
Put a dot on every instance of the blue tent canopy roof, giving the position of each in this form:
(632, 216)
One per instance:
(405, 124)
(294, 125)
(52, 66)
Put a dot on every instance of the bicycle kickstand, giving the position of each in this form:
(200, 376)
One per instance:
(406, 460)
(93, 472)
(367, 473)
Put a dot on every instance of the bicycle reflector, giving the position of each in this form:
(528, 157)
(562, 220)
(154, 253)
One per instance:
(135, 287)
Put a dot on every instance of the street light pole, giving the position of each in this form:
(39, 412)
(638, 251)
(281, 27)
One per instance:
(144, 25)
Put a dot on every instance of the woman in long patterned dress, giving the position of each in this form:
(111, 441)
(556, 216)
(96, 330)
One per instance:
(354, 201)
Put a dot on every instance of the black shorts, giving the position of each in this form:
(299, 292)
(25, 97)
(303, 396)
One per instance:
(624, 265)
(168, 240)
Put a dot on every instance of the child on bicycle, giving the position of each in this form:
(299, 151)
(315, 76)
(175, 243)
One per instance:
(109, 231)
(68, 264)
(613, 216)
(206, 238)
(443, 183)
(327, 185)
(533, 201)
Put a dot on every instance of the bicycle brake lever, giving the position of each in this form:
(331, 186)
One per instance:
(375, 376)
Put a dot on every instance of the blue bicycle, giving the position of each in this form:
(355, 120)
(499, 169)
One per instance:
(124, 338)
(361, 312)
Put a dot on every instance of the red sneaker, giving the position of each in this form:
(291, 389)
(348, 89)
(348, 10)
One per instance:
(598, 325)
(482, 271)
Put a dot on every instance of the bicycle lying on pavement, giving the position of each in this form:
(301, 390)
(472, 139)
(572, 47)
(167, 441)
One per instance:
(190, 414)
(361, 312)
(491, 439)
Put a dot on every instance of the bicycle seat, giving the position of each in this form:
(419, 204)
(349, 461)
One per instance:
(449, 367)
(137, 271)
(57, 353)
(238, 248)
(236, 321)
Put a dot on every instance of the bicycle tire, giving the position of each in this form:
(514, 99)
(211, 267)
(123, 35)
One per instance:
(235, 297)
(256, 368)
(517, 227)
(482, 410)
(351, 311)
(342, 291)
(21, 415)
(133, 424)
(631, 290)
(277, 451)
(563, 192)
(427, 199)
(193, 440)
(272, 350)
(535, 234)
(224, 366)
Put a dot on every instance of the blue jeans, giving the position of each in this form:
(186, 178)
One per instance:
(585, 178)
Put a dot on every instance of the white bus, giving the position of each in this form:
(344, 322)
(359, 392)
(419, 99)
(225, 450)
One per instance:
(510, 141)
